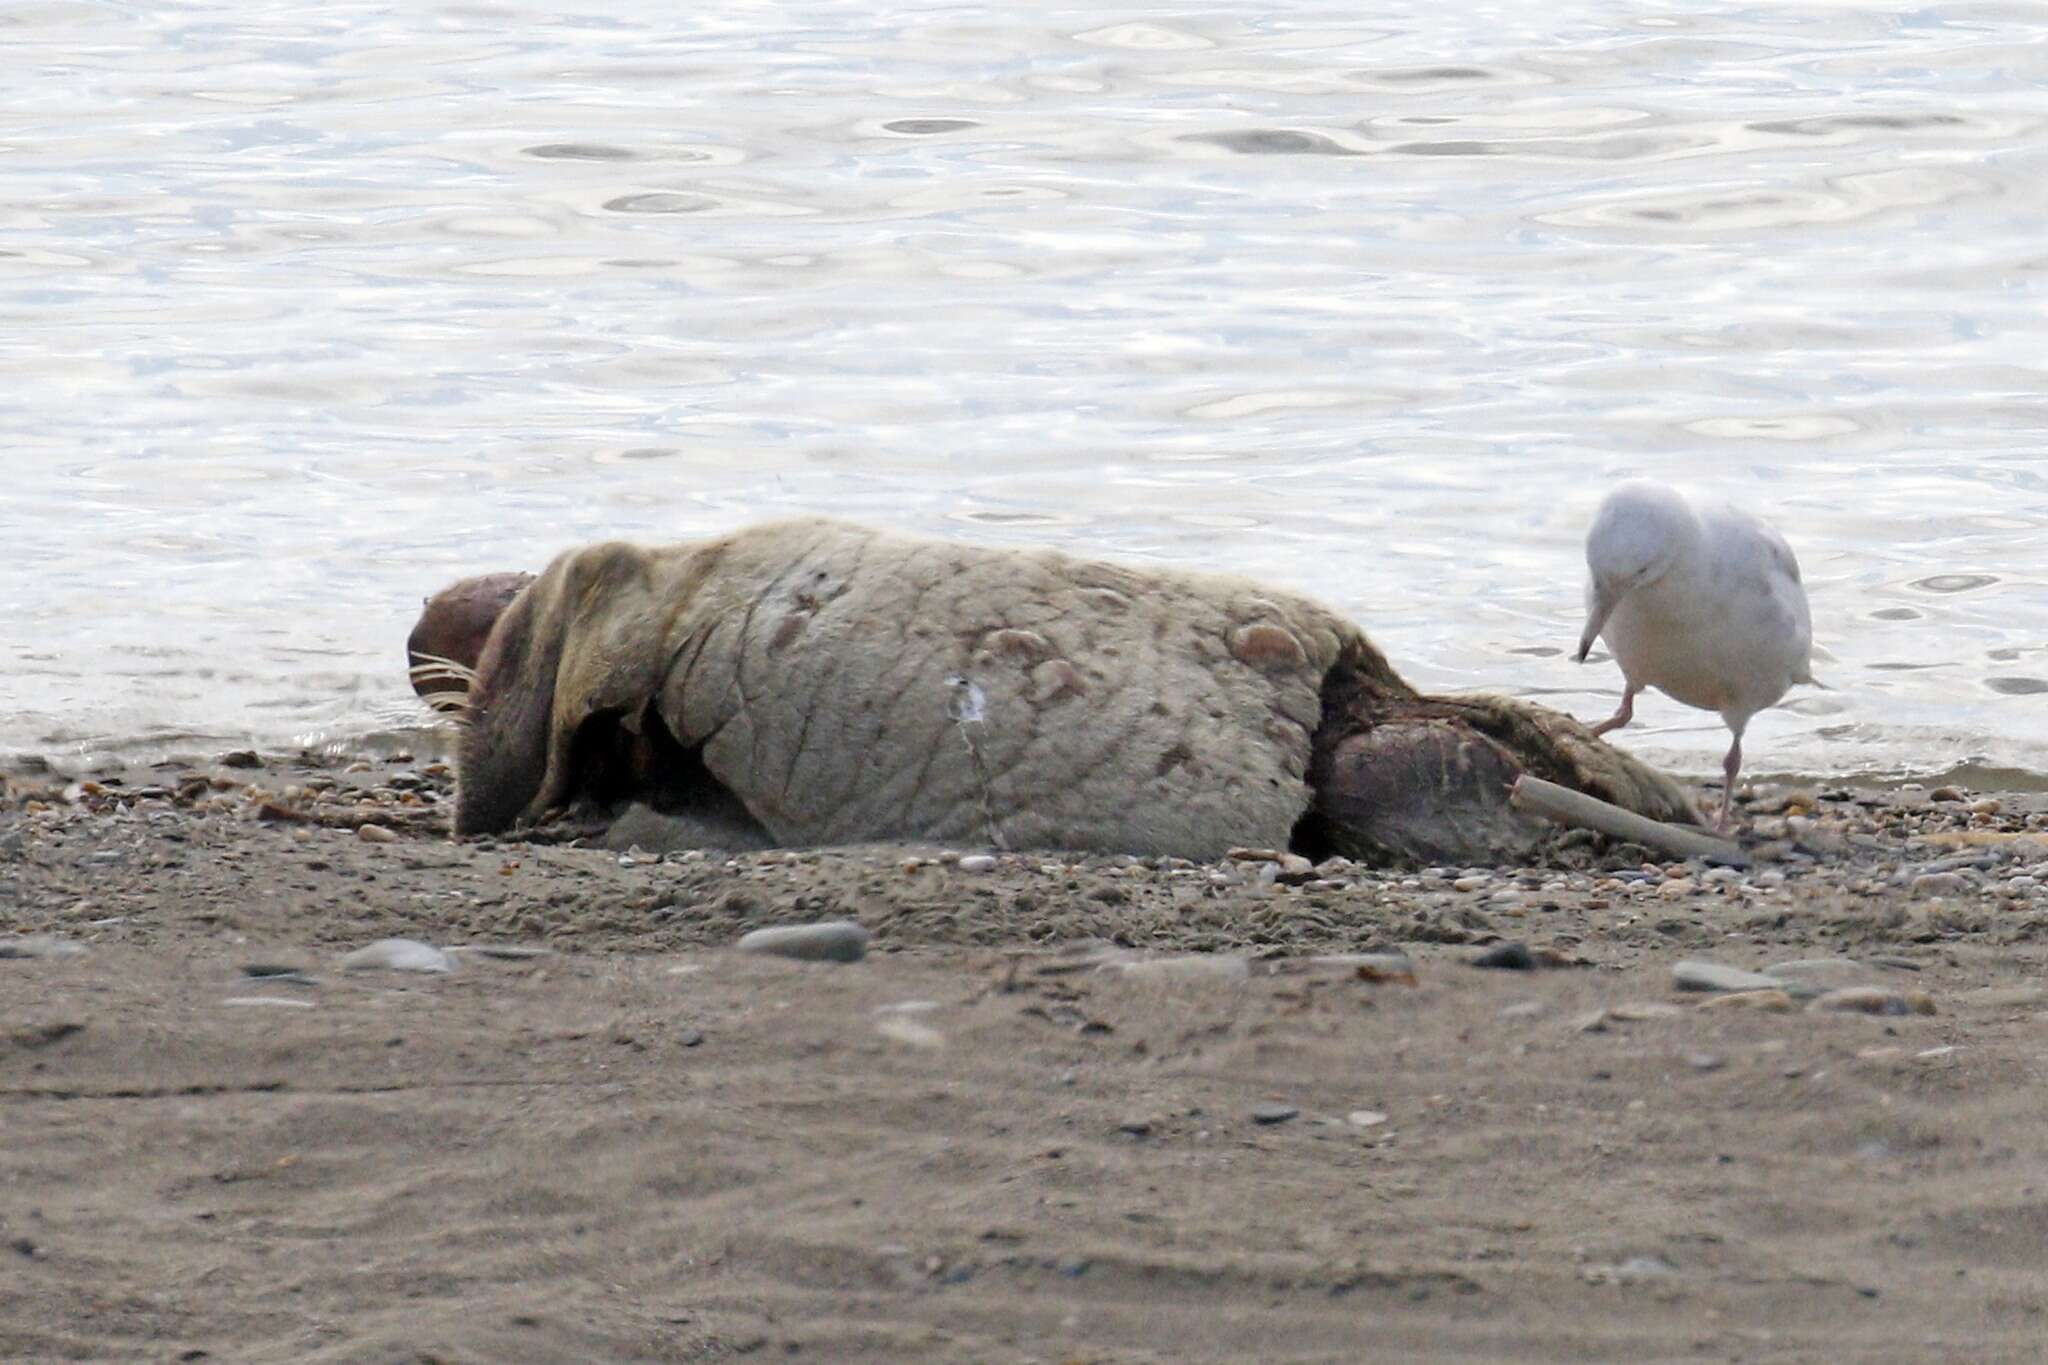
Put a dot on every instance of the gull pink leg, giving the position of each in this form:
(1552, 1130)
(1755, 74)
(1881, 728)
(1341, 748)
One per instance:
(1622, 717)
(1730, 766)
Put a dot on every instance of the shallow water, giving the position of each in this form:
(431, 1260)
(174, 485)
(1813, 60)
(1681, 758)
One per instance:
(306, 310)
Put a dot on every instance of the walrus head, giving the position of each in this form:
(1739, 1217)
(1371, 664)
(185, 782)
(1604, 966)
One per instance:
(563, 703)
(446, 642)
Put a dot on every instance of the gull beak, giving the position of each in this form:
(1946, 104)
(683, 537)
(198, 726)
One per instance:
(1597, 613)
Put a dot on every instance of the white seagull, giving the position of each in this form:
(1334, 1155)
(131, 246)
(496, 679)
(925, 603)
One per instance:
(1699, 600)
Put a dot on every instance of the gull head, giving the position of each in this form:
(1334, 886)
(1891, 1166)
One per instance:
(1641, 530)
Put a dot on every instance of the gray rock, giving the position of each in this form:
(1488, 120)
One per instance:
(1692, 975)
(978, 862)
(1271, 1113)
(832, 941)
(398, 955)
(40, 945)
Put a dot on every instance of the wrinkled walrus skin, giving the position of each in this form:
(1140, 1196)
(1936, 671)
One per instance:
(849, 685)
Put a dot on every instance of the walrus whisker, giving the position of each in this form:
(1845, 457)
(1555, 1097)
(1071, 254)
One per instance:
(435, 668)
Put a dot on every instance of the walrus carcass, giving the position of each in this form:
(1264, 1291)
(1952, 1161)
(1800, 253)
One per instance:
(813, 682)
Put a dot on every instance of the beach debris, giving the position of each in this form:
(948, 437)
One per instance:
(828, 941)
(398, 955)
(1186, 967)
(900, 1028)
(1510, 957)
(40, 945)
(1770, 1001)
(1874, 1000)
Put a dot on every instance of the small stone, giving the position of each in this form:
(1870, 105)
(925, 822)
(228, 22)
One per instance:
(40, 945)
(1704, 1061)
(1135, 1127)
(978, 862)
(269, 1001)
(241, 758)
(1942, 884)
(1272, 1113)
(1945, 794)
(1511, 957)
(1524, 1009)
(1770, 1001)
(1595, 1022)
(829, 941)
(1988, 805)
(1365, 1118)
(398, 955)
(376, 834)
(1471, 883)
(1693, 975)
(1677, 888)
(1874, 1000)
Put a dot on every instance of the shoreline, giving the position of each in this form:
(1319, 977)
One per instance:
(1091, 1108)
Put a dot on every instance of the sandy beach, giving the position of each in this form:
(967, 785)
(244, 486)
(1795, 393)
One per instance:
(1064, 1110)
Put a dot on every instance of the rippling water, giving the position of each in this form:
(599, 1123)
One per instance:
(307, 309)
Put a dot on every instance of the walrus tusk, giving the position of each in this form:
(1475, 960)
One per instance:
(1568, 807)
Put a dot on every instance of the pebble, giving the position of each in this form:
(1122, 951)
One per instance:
(831, 941)
(1365, 1118)
(376, 834)
(271, 1001)
(1770, 1001)
(978, 862)
(1135, 1127)
(1705, 1061)
(398, 955)
(1694, 975)
(1874, 1000)
(1524, 1009)
(40, 945)
(1272, 1113)
(1941, 884)
(1511, 957)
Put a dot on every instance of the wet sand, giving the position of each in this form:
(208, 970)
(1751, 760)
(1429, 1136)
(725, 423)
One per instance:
(992, 1139)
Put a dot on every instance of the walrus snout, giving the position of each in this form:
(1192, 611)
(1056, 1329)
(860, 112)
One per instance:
(454, 624)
